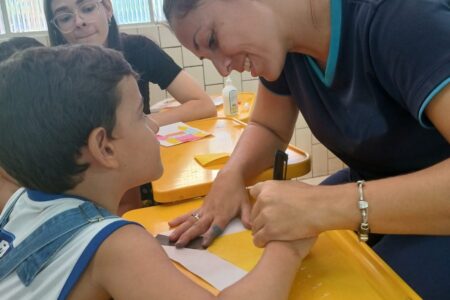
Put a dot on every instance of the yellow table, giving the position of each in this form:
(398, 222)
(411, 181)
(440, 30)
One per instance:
(184, 178)
(245, 101)
(338, 267)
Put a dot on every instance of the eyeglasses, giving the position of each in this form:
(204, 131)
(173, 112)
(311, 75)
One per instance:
(66, 22)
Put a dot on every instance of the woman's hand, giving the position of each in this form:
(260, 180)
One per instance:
(226, 199)
(284, 211)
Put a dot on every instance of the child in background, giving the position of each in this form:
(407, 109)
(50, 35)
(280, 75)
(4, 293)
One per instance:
(81, 142)
(7, 48)
(92, 22)
(11, 46)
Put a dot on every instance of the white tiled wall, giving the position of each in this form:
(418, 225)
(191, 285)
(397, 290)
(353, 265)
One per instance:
(323, 161)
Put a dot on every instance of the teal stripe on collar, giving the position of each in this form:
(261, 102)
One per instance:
(421, 117)
(336, 25)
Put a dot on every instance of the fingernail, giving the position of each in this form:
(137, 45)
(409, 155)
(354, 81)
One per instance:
(179, 245)
(205, 244)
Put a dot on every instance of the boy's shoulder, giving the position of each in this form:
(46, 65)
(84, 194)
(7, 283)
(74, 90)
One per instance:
(55, 238)
(110, 267)
(132, 264)
(125, 262)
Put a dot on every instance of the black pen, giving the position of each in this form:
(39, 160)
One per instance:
(280, 165)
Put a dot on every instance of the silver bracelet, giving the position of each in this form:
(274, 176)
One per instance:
(363, 230)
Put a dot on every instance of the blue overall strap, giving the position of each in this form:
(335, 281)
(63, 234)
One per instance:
(38, 249)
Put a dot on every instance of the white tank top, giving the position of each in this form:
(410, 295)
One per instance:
(69, 263)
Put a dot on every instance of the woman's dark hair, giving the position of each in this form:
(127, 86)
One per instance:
(56, 38)
(50, 101)
(179, 8)
(15, 44)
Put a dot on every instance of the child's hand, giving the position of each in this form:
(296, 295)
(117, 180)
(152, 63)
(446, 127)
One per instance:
(303, 246)
(299, 248)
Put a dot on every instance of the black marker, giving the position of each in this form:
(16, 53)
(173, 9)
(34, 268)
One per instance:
(280, 165)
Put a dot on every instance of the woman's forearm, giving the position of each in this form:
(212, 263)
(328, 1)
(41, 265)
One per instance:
(416, 203)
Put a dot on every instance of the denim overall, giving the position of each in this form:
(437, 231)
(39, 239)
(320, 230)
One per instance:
(37, 250)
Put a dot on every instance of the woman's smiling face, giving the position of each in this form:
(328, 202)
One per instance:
(236, 35)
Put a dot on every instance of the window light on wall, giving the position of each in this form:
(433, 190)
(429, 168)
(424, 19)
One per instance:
(25, 15)
(158, 11)
(28, 15)
(2, 25)
(132, 11)
(138, 11)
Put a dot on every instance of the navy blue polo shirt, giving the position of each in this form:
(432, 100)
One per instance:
(387, 60)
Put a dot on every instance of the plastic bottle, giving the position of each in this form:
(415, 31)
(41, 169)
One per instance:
(230, 101)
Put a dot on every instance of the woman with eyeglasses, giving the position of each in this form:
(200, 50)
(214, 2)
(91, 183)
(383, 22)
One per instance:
(92, 22)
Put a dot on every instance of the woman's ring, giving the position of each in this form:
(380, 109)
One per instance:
(196, 216)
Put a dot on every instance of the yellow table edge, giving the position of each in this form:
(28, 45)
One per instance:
(381, 273)
(383, 279)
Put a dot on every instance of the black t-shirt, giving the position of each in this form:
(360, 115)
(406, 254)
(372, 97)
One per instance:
(151, 62)
(387, 60)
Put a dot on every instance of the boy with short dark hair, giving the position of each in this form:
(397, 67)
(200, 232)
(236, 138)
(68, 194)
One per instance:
(74, 135)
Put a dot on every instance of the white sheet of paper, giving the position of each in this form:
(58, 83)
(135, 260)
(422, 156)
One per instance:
(211, 268)
(233, 227)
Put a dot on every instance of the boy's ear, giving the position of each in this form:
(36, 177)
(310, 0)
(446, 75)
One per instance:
(102, 149)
